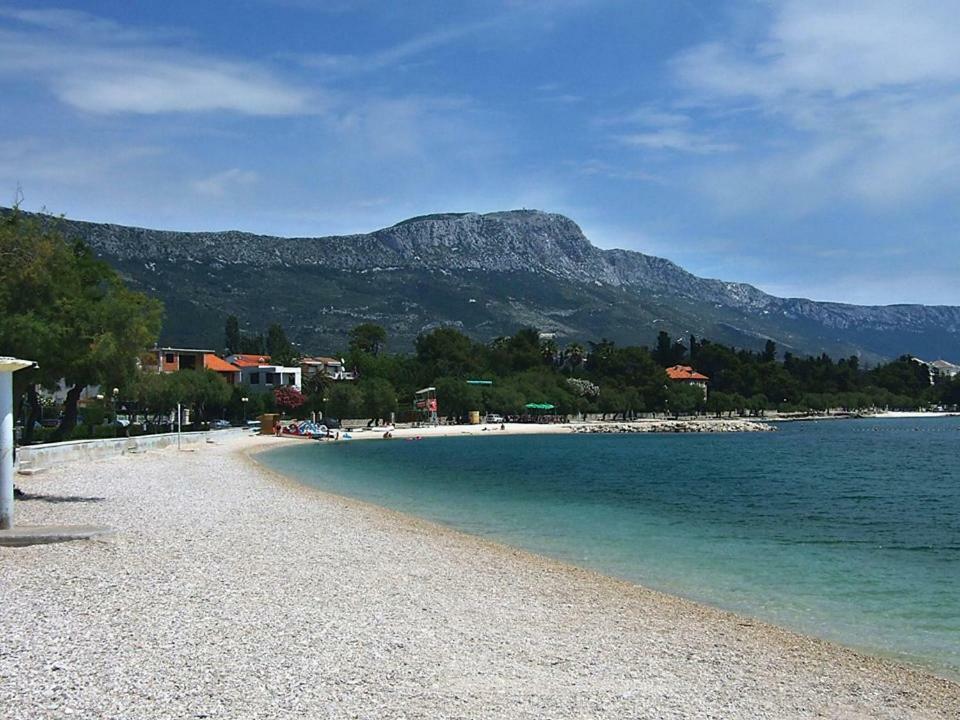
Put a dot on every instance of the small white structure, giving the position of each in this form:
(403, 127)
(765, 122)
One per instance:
(8, 366)
(332, 367)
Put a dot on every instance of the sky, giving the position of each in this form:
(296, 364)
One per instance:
(810, 148)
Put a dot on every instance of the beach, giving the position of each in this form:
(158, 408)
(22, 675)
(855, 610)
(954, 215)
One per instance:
(232, 592)
(644, 425)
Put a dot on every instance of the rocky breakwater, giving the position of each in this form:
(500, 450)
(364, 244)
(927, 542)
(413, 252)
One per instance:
(675, 426)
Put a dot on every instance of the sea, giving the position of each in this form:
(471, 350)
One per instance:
(847, 530)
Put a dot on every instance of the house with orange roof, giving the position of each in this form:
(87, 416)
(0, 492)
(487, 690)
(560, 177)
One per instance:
(171, 359)
(228, 371)
(688, 376)
(247, 359)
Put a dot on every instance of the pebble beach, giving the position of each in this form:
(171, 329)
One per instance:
(231, 592)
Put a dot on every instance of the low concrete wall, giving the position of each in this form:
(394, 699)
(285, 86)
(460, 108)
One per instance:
(51, 453)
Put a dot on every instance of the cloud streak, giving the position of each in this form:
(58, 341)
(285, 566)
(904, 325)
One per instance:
(97, 66)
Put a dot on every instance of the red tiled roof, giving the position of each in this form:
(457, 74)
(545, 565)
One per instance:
(684, 372)
(246, 360)
(212, 362)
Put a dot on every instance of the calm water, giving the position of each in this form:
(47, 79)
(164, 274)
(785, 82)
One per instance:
(848, 530)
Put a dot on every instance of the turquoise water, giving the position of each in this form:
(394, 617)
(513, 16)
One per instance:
(847, 530)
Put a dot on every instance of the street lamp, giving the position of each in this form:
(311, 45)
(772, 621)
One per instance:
(244, 400)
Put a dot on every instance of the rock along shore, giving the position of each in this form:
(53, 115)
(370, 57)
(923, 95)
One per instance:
(674, 426)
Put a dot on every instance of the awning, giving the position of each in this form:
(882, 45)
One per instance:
(539, 406)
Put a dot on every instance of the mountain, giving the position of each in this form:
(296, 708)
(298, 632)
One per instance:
(487, 275)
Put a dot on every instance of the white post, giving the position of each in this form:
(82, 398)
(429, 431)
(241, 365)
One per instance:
(6, 450)
(178, 426)
(8, 366)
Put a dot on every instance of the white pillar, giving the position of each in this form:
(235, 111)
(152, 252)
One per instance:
(6, 450)
(8, 366)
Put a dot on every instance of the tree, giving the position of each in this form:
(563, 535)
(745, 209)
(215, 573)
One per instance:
(201, 389)
(69, 311)
(368, 338)
(279, 349)
(345, 401)
(683, 399)
(232, 337)
(316, 385)
(455, 398)
(446, 351)
(769, 352)
(379, 399)
(155, 393)
(574, 356)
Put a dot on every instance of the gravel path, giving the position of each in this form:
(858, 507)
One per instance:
(230, 593)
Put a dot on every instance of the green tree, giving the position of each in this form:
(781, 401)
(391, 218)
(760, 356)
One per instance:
(379, 398)
(279, 348)
(683, 399)
(344, 401)
(455, 398)
(316, 386)
(232, 335)
(203, 390)
(61, 306)
(449, 352)
(369, 338)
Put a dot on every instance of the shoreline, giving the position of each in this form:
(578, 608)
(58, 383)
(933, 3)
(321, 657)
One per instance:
(741, 619)
(645, 425)
(404, 615)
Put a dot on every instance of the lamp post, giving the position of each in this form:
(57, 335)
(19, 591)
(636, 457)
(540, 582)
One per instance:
(244, 400)
(8, 366)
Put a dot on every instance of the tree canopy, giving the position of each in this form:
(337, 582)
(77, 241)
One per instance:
(68, 310)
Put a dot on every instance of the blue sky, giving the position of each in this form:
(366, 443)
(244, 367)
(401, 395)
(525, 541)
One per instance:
(811, 148)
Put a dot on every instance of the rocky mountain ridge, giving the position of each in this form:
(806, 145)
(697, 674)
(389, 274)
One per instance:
(525, 244)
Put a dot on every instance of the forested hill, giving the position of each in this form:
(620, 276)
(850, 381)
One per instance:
(487, 275)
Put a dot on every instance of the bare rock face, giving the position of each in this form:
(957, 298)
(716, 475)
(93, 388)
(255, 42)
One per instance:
(518, 267)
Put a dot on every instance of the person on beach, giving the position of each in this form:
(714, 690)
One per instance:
(276, 427)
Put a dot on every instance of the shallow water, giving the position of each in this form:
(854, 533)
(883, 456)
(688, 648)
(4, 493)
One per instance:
(847, 530)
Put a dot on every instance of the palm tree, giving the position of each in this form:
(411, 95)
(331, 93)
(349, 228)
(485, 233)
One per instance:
(574, 355)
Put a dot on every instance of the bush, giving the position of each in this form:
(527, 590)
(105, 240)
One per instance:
(101, 432)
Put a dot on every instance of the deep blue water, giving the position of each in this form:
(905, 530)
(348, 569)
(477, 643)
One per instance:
(847, 530)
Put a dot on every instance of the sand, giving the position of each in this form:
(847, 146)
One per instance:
(232, 593)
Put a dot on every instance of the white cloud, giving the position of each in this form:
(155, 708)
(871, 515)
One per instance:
(857, 101)
(676, 139)
(840, 49)
(652, 128)
(221, 183)
(97, 66)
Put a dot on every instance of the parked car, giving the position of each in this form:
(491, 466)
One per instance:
(332, 423)
(220, 425)
(494, 418)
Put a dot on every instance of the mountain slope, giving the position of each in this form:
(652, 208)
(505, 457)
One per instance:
(487, 274)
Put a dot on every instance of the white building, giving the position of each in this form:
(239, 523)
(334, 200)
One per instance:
(332, 367)
(259, 374)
